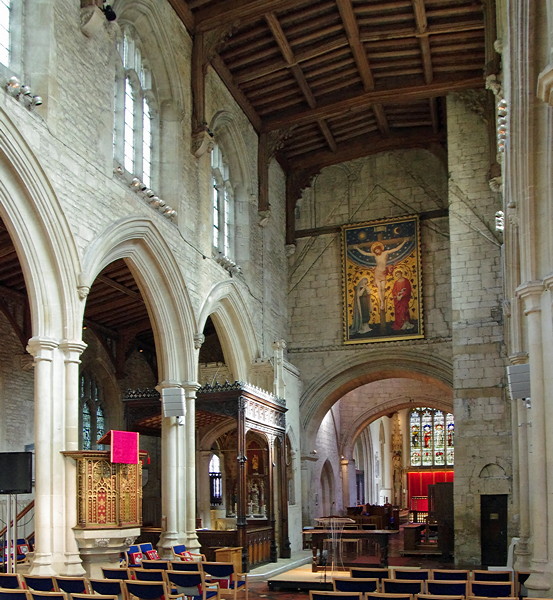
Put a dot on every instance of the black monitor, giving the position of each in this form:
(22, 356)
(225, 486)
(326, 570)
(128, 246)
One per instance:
(16, 474)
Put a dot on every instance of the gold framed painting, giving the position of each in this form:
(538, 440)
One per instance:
(382, 281)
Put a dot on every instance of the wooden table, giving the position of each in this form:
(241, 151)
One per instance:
(379, 536)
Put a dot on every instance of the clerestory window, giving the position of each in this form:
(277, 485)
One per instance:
(222, 203)
(432, 438)
(11, 36)
(134, 144)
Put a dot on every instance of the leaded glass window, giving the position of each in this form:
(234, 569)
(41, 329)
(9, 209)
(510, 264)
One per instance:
(11, 37)
(431, 438)
(93, 420)
(5, 43)
(222, 203)
(136, 120)
(215, 481)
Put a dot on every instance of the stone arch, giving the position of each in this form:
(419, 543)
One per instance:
(230, 315)
(42, 238)
(231, 140)
(327, 486)
(151, 261)
(492, 479)
(353, 371)
(394, 404)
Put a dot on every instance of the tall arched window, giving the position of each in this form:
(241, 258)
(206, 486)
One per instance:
(222, 203)
(432, 435)
(215, 481)
(136, 116)
(93, 418)
(11, 32)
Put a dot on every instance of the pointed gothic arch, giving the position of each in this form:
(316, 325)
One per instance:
(41, 236)
(151, 261)
(230, 314)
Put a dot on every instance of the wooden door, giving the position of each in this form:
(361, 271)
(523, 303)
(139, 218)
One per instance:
(493, 529)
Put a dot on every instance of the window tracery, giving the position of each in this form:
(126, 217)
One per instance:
(222, 202)
(136, 114)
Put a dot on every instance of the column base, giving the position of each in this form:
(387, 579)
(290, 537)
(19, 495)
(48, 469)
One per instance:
(102, 547)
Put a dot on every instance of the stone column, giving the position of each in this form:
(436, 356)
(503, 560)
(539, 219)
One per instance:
(192, 542)
(531, 293)
(203, 487)
(48, 486)
(347, 471)
(72, 350)
(173, 488)
(308, 498)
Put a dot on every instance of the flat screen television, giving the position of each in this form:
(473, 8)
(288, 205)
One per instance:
(16, 472)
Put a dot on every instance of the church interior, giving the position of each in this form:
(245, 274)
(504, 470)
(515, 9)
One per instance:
(269, 267)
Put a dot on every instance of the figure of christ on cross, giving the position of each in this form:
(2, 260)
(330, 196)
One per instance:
(380, 254)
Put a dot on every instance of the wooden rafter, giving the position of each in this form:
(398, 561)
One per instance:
(398, 95)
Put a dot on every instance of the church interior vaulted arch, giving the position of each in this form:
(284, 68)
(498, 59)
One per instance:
(300, 250)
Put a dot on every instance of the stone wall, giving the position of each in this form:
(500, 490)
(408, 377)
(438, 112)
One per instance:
(482, 414)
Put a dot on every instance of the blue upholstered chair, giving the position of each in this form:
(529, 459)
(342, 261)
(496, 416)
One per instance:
(231, 582)
(355, 584)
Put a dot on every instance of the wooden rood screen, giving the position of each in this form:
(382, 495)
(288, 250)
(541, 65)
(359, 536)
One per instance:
(254, 468)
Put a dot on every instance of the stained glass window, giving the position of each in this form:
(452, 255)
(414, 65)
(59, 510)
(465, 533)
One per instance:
(93, 420)
(431, 438)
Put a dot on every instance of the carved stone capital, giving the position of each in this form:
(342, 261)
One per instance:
(545, 85)
(530, 293)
